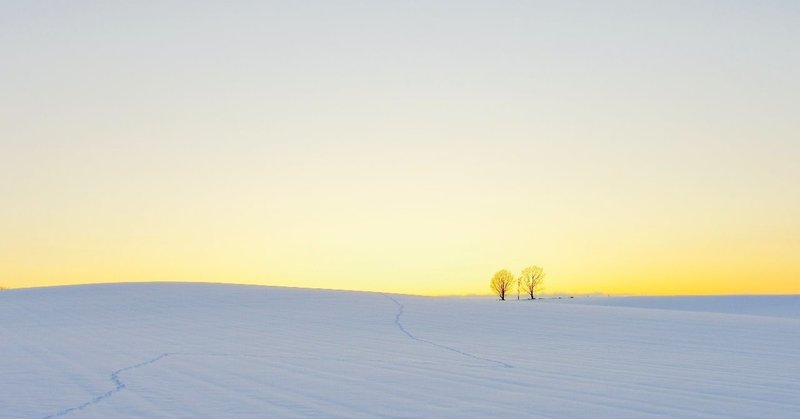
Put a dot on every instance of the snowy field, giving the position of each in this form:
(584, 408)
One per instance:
(203, 350)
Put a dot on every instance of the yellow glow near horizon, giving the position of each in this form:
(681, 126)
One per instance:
(413, 148)
(397, 252)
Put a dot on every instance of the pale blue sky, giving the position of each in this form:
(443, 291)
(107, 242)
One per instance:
(386, 122)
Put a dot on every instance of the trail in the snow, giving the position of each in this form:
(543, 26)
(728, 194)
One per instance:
(119, 385)
(401, 310)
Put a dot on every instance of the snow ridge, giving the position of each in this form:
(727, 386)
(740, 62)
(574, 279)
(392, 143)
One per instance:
(401, 310)
(119, 385)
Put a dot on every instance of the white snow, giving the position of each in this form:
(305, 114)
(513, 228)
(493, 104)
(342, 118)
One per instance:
(764, 305)
(208, 350)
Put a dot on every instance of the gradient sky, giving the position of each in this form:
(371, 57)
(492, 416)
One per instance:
(406, 146)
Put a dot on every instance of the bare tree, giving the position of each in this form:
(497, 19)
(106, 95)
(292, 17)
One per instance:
(531, 280)
(501, 282)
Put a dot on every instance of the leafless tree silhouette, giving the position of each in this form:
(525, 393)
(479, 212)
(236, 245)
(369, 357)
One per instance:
(531, 279)
(501, 282)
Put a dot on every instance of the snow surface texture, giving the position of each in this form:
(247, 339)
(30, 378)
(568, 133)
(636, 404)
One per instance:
(205, 350)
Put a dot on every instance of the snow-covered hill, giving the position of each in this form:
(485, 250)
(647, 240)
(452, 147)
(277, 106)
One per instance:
(206, 350)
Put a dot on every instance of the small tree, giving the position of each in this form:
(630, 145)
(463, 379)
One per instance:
(501, 282)
(531, 280)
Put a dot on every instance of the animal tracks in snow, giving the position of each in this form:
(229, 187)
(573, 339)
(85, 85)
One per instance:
(401, 310)
(119, 385)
